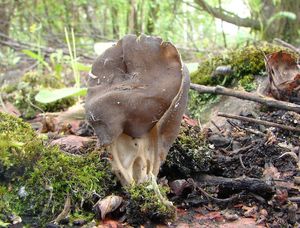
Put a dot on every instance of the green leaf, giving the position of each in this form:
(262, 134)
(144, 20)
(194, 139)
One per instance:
(83, 67)
(48, 96)
(37, 57)
(3, 224)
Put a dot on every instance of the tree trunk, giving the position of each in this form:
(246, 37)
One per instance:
(132, 20)
(6, 13)
(283, 28)
(115, 24)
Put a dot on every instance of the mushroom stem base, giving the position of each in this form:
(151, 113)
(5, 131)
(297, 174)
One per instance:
(136, 159)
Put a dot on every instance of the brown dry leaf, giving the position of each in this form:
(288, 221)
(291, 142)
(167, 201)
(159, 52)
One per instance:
(72, 143)
(108, 204)
(48, 124)
(281, 196)
(271, 172)
(178, 186)
(10, 109)
(284, 76)
(250, 211)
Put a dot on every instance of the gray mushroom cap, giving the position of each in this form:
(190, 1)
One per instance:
(138, 90)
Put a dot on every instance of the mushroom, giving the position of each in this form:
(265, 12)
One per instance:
(136, 97)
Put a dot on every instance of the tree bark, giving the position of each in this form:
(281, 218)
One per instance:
(283, 27)
(228, 16)
(132, 19)
(6, 13)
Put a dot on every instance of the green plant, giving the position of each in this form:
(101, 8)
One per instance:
(145, 203)
(47, 95)
(47, 175)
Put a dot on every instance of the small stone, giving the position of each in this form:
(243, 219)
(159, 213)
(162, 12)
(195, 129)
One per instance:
(79, 222)
(22, 192)
(64, 221)
(52, 225)
(219, 140)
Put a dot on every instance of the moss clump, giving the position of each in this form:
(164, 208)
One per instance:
(22, 94)
(246, 63)
(145, 204)
(247, 60)
(188, 155)
(248, 83)
(46, 175)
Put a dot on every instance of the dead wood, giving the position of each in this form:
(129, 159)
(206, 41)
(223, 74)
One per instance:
(211, 198)
(263, 122)
(254, 185)
(247, 96)
(18, 46)
(285, 44)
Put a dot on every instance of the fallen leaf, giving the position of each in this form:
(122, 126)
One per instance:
(250, 211)
(178, 186)
(284, 76)
(10, 109)
(108, 204)
(271, 172)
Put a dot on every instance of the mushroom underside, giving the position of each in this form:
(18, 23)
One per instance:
(136, 159)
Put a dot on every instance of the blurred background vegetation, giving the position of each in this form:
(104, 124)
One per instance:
(198, 25)
(52, 43)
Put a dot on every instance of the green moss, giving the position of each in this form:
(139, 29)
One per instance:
(248, 83)
(246, 63)
(188, 155)
(248, 60)
(145, 204)
(46, 175)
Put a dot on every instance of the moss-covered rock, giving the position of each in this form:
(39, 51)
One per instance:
(146, 204)
(244, 63)
(248, 60)
(188, 155)
(35, 179)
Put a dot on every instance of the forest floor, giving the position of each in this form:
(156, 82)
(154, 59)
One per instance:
(241, 173)
(251, 178)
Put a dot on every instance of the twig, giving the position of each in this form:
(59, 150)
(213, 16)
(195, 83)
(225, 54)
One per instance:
(2, 104)
(241, 161)
(263, 122)
(65, 211)
(294, 199)
(213, 122)
(254, 185)
(211, 198)
(247, 96)
(252, 131)
(285, 44)
(18, 46)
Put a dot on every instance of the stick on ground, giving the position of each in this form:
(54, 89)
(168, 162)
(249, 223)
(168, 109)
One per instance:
(263, 122)
(247, 96)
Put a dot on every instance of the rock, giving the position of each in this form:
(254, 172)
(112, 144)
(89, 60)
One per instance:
(219, 140)
(64, 221)
(179, 186)
(80, 222)
(52, 225)
(72, 143)
(22, 192)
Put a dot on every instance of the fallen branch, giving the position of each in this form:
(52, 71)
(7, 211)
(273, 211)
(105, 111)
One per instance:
(65, 211)
(247, 96)
(263, 122)
(285, 44)
(253, 185)
(212, 198)
(19, 46)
